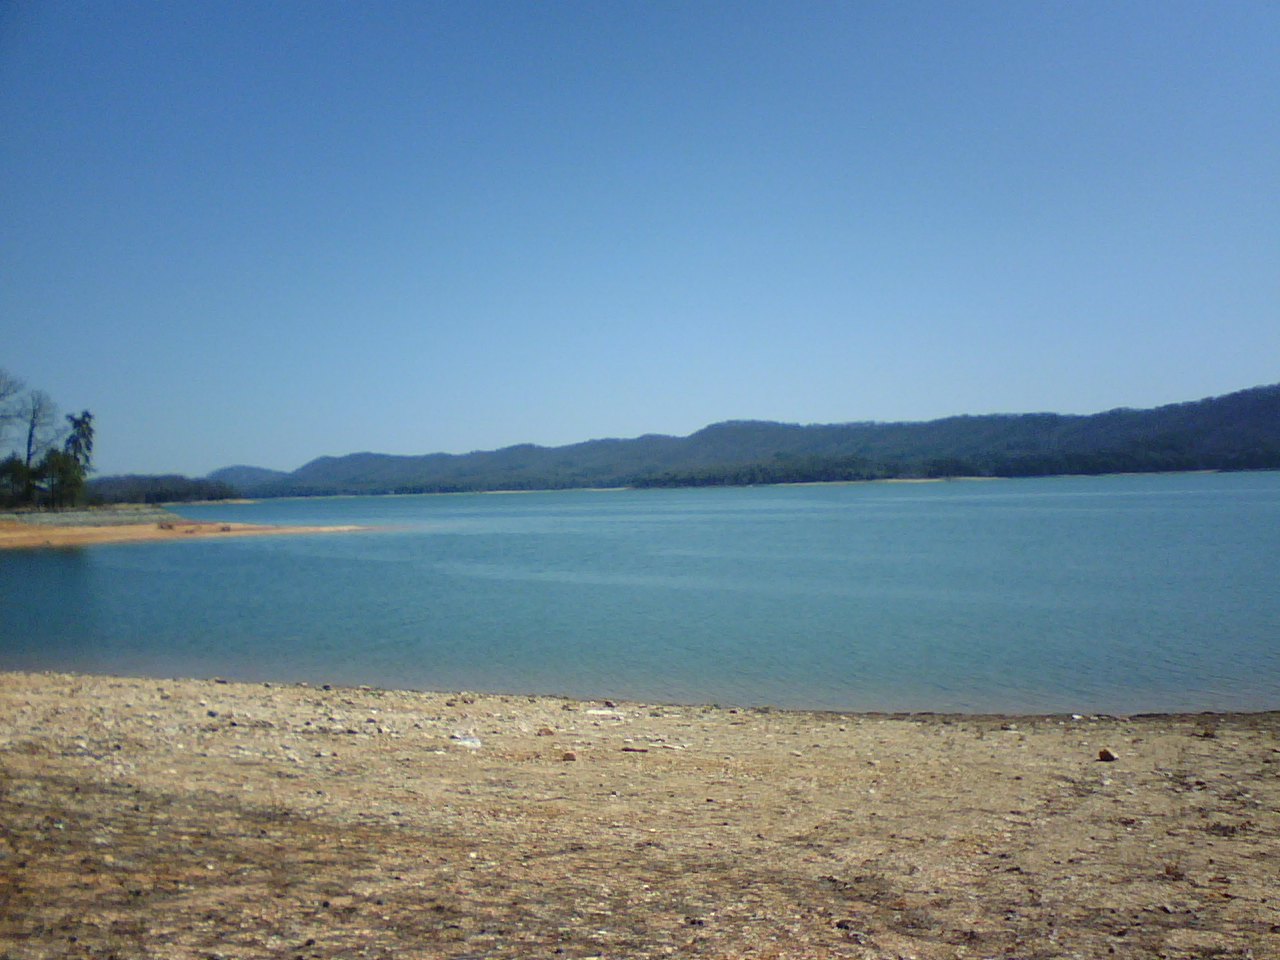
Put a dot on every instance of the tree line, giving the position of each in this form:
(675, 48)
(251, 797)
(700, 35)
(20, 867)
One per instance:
(49, 457)
(1139, 458)
(150, 488)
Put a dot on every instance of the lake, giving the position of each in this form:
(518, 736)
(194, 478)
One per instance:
(1076, 594)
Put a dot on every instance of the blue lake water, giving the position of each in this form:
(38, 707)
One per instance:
(1102, 594)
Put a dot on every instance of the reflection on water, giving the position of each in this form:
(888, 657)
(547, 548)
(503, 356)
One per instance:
(1112, 594)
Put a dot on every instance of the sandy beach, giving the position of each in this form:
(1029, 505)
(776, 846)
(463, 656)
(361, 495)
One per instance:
(199, 818)
(21, 536)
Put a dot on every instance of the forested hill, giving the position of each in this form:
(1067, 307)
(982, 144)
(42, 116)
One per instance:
(1233, 432)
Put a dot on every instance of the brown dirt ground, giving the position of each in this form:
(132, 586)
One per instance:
(199, 819)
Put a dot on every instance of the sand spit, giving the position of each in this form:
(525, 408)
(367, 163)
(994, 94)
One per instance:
(18, 536)
(196, 819)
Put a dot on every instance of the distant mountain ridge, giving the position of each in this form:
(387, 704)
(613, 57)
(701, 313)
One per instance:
(1233, 432)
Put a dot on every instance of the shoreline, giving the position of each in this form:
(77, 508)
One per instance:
(253, 498)
(1265, 715)
(30, 536)
(175, 818)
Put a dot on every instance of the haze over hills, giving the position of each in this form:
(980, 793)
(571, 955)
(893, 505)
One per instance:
(1232, 432)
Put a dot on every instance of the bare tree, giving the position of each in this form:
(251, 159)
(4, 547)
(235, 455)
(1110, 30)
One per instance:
(10, 386)
(10, 412)
(41, 416)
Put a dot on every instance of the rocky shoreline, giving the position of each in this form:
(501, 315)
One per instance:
(188, 818)
(116, 515)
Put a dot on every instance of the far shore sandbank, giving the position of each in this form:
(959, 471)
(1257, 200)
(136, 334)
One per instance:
(23, 536)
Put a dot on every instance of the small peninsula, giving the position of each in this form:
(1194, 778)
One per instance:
(82, 528)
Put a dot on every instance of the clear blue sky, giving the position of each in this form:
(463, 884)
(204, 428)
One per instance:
(262, 232)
